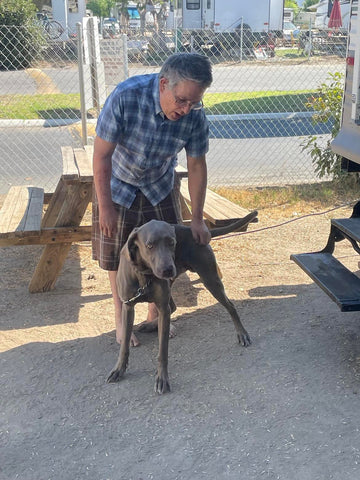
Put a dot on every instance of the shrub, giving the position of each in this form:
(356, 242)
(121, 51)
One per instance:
(327, 105)
(20, 39)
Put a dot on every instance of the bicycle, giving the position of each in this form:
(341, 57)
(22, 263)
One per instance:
(52, 28)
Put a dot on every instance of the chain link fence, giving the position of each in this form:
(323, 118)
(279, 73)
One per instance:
(256, 105)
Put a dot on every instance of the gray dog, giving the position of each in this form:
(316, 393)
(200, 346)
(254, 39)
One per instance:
(154, 255)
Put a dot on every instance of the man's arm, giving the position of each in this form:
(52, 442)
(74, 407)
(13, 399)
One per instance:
(197, 181)
(103, 151)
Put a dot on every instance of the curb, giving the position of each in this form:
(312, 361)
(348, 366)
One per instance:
(51, 122)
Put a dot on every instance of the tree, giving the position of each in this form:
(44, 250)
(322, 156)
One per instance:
(20, 40)
(101, 8)
(16, 12)
(291, 4)
(308, 3)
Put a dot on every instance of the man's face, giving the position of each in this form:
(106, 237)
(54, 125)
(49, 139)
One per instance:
(178, 101)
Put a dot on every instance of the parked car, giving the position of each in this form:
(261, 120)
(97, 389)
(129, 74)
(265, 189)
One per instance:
(290, 31)
(110, 27)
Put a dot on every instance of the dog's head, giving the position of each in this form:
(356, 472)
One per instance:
(151, 249)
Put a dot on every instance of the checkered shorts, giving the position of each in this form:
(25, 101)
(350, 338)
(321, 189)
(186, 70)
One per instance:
(106, 250)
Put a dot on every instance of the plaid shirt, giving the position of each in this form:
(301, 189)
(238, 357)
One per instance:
(147, 142)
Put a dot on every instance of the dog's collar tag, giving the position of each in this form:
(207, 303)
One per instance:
(140, 292)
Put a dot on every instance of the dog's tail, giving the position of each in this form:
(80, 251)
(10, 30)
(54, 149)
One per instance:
(235, 226)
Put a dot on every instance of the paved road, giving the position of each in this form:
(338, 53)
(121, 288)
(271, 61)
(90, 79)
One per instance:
(232, 78)
(32, 156)
(266, 125)
(247, 151)
(242, 152)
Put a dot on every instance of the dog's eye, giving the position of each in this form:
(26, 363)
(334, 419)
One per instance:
(171, 242)
(149, 245)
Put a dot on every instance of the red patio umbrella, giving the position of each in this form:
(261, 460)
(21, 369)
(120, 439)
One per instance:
(335, 20)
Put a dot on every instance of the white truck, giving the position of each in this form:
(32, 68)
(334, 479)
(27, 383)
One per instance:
(228, 15)
(340, 283)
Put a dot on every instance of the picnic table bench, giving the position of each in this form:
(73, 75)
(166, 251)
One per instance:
(218, 210)
(25, 219)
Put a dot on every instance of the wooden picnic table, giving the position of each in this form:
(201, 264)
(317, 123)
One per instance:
(25, 221)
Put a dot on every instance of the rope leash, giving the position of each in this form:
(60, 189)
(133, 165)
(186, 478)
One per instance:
(283, 223)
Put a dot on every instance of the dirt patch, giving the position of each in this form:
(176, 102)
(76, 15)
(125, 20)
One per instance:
(286, 407)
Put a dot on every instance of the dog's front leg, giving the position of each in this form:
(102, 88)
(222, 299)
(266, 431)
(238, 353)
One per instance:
(162, 383)
(127, 325)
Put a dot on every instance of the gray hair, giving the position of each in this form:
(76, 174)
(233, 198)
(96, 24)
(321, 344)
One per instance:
(187, 66)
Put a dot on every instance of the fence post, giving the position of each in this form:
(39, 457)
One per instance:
(93, 65)
(241, 38)
(125, 55)
(81, 83)
(192, 49)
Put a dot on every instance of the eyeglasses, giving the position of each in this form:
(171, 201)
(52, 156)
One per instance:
(186, 103)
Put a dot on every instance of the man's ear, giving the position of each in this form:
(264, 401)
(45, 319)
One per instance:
(163, 83)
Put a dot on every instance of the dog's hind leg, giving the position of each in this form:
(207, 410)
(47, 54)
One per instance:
(119, 369)
(216, 288)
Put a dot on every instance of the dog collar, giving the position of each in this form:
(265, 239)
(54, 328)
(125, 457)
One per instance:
(140, 292)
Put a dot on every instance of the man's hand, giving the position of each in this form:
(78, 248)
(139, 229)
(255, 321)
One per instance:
(108, 221)
(200, 231)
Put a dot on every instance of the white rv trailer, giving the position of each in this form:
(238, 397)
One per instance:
(227, 15)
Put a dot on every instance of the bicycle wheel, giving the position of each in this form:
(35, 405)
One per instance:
(54, 29)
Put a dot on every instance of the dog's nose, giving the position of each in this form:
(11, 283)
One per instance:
(169, 272)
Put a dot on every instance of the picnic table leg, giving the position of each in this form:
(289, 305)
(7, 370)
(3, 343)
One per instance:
(74, 203)
(55, 205)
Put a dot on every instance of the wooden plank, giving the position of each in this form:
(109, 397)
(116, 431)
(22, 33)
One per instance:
(53, 257)
(181, 171)
(216, 207)
(185, 210)
(47, 236)
(89, 149)
(55, 205)
(22, 209)
(84, 164)
(342, 286)
(49, 267)
(70, 170)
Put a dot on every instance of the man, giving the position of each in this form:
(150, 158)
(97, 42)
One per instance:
(143, 125)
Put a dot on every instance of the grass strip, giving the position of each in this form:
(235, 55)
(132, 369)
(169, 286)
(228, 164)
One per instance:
(47, 106)
(26, 107)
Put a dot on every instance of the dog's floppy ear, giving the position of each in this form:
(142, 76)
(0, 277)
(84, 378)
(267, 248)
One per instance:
(132, 247)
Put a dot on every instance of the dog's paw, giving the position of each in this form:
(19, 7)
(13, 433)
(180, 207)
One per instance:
(162, 385)
(115, 376)
(244, 339)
